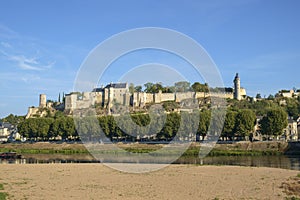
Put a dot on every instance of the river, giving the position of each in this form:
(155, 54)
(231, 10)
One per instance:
(280, 161)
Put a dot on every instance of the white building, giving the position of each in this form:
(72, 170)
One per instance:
(290, 133)
(4, 134)
(111, 94)
(289, 93)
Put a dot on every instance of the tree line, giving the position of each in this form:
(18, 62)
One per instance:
(239, 124)
(182, 86)
(239, 121)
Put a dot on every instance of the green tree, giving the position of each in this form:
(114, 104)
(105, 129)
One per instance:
(158, 87)
(54, 130)
(168, 89)
(258, 96)
(35, 128)
(153, 88)
(271, 97)
(58, 114)
(131, 88)
(13, 119)
(189, 125)
(43, 127)
(171, 127)
(24, 129)
(229, 125)
(64, 127)
(273, 123)
(88, 128)
(141, 119)
(182, 86)
(198, 87)
(292, 107)
(63, 97)
(245, 122)
(204, 122)
(138, 88)
(109, 126)
(148, 87)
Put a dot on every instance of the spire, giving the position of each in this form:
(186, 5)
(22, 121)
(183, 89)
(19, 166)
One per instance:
(59, 97)
(237, 75)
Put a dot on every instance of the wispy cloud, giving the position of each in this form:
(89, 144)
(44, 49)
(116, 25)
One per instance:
(5, 44)
(27, 63)
(23, 51)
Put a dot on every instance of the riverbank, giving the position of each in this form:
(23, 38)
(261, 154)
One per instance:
(96, 181)
(44, 148)
(228, 149)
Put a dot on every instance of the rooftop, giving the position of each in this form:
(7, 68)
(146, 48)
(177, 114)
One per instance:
(116, 85)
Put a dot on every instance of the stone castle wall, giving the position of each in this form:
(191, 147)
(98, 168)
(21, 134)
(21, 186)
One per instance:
(161, 97)
(179, 96)
(137, 99)
(120, 94)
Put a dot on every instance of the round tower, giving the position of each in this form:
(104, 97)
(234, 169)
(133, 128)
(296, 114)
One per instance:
(237, 87)
(43, 101)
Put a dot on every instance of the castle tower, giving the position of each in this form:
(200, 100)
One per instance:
(237, 87)
(43, 101)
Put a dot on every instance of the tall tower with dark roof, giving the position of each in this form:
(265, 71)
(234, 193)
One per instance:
(237, 87)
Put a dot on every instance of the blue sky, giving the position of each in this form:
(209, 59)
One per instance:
(43, 43)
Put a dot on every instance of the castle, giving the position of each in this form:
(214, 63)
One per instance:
(118, 93)
(41, 110)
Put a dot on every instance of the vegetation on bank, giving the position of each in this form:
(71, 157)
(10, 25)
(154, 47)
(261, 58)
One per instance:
(188, 153)
(43, 148)
(193, 151)
(244, 153)
(44, 151)
(259, 149)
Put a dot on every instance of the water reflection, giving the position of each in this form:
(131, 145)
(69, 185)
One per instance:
(285, 162)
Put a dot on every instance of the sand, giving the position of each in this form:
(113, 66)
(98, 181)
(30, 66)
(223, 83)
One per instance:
(96, 181)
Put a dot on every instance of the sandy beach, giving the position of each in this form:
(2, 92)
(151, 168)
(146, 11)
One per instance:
(96, 181)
